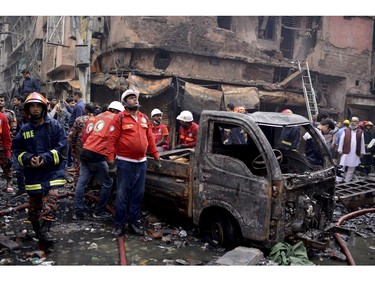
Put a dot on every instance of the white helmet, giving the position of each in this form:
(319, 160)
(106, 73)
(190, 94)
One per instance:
(128, 93)
(116, 105)
(185, 116)
(156, 111)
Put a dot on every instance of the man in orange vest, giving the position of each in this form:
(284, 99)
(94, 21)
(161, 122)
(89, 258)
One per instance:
(94, 162)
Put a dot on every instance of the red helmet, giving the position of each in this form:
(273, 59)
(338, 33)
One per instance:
(287, 111)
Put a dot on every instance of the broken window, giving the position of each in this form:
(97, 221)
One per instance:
(266, 27)
(37, 50)
(234, 141)
(225, 22)
(55, 30)
(162, 59)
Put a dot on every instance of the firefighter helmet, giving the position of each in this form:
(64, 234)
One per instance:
(36, 98)
(127, 93)
(156, 111)
(116, 105)
(185, 116)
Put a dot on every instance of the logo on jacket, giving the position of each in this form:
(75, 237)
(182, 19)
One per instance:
(99, 126)
(89, 128)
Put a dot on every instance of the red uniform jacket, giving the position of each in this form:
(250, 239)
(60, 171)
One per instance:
(188, 137)
(131, 139)
(97, 137)
(5, 142)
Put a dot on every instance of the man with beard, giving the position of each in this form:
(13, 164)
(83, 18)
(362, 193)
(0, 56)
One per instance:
(188, 131)
(41, 148)
(129, 141)
(351, 148)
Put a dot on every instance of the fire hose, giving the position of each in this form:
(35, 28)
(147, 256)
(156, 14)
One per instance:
(341, 242)
(120, 240)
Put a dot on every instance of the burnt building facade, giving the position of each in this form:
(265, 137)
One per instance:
(198, 62)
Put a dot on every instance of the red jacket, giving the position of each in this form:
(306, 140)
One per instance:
(5, 142)
(188, 137)
(131, 139)
(86, 130)
(97, 137)
(159, 131)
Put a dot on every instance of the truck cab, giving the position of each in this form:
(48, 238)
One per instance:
(239, 185)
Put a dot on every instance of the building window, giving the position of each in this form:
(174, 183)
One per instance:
(225, 22)
(266, 27)
(37, 50)
(162, 59)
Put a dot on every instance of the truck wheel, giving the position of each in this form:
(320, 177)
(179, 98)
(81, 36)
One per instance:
(220, 229)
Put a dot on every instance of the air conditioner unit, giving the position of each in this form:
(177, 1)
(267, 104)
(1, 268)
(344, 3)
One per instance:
(82, 55)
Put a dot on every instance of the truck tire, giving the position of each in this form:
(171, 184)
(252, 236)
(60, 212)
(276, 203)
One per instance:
(220, 230)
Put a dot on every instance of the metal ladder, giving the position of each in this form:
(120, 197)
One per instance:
(309, 93)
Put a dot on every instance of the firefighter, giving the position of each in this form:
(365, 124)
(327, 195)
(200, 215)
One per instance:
(188, 131)
(41, 147)
(129, 141)
(159, 130)
(289, 138)
(5, 143)
(93, 162)
(12, 123)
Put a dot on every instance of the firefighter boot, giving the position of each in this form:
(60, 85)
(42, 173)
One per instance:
(45, 236)
(36, 228)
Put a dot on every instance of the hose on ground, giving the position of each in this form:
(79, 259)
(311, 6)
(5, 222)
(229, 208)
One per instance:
(341, 242)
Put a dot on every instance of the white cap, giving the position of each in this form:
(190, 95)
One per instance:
(128, 93)
(156, 111)
(185, 116)
(116, 105)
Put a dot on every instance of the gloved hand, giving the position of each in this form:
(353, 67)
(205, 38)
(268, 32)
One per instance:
(7, 163)
(157, 165)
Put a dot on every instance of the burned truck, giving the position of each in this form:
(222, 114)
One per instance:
(248, 189)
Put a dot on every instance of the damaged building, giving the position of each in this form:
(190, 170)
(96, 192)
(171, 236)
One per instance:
(197, 62)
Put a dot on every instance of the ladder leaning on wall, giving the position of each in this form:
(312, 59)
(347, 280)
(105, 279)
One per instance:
(309, 93)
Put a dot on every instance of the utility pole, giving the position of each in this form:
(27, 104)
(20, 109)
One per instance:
(83, 56)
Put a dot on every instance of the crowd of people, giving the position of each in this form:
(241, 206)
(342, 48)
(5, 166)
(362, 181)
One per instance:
(350, 142)
(43, 138)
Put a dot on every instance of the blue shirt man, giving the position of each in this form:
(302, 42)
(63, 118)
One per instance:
(29, 84)
(79, 108)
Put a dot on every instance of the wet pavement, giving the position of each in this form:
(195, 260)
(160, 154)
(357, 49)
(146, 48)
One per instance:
(90, 242)
(169, 240)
